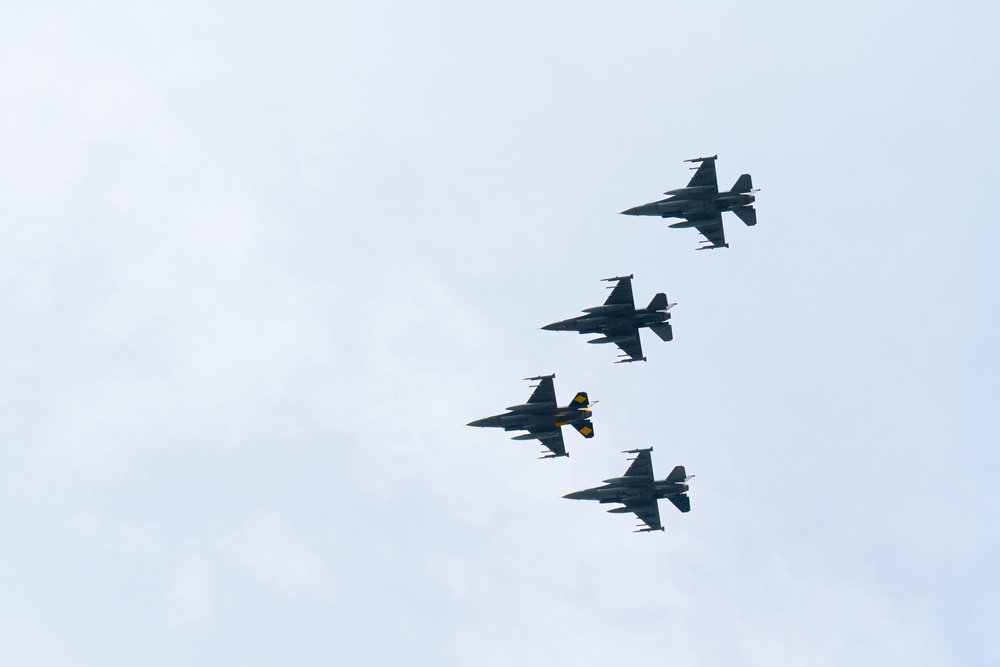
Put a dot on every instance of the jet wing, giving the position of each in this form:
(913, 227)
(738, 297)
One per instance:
(647, 511)
(630, 345)
(545, 391)
(642, 466)
(551, 439)
(621, 295)
(705, 176)
(711, 228)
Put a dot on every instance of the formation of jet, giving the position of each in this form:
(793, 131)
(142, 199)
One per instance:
(542, 417)
(638, 491)
(702, 205)
(619, 321)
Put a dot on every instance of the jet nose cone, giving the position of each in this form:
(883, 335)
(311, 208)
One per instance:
(478, 422)
(645, 209)
(576, 495)
(557, 326)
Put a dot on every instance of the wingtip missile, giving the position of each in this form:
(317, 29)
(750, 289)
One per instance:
(541, 377)
(617, 278)
(637, 451)
(703, 159)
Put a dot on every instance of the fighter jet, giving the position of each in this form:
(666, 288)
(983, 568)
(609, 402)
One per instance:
(701, 204)
(542, 417)
(619, 320)
(638, 491)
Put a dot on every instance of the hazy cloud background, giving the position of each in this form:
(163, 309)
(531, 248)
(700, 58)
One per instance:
(262, 264)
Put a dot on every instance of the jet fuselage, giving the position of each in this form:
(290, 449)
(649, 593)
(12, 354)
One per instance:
(683, 206)
(521, 418)
(620, 489)
(597, 321)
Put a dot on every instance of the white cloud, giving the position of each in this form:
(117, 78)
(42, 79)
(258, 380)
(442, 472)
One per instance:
(144, 541)
(273, 553)
(187, 599)
(71, 91)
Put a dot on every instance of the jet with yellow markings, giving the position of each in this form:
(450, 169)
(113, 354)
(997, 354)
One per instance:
(619, 321)
(542, 417)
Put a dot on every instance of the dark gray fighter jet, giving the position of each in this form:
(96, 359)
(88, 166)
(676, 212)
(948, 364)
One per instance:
(638, 491)
(702, 205)
(619, 320)
(542, 417)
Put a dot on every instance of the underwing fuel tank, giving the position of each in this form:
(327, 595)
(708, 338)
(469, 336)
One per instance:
(606, 308)
(532, 407)
(622, 481)
(696, 190)
(610, 339)
(536, 435)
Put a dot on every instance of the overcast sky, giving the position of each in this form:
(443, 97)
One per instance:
(263, 261)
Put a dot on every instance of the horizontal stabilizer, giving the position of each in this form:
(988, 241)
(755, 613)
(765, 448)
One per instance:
(586, 428)
(748, 214)
(659, 302)
(676, 475)
(663, 330)
(743, 184)
(580, 400)
(683, 503)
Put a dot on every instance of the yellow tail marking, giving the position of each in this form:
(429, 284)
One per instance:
(586, 430)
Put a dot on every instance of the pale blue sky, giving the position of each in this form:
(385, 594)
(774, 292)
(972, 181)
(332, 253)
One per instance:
(262, 264)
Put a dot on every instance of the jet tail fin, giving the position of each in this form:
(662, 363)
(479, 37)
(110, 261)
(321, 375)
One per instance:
(748, 214)
(580, 400)
(743, 184)
(586, 428)
(676, 475)
(659, 302)
(663, 330)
